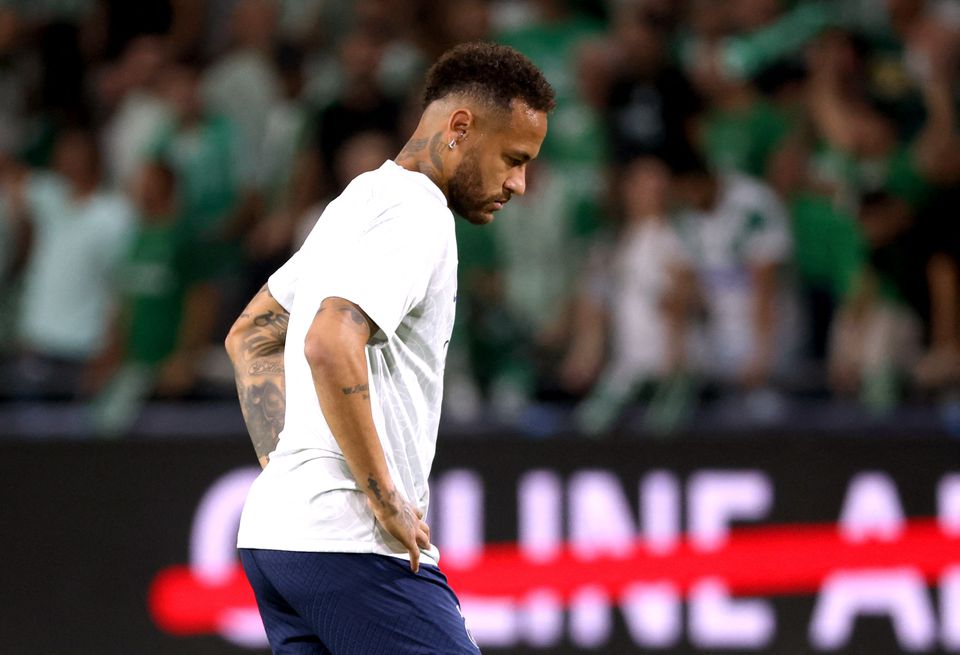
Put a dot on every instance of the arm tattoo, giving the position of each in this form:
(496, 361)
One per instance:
(266, 367)
(345, 307)
(263, 407)
(268, 335)
(375, 488)
(388, 502)
(355, 315)
(260, 377)
(394, 506)
(358, 388)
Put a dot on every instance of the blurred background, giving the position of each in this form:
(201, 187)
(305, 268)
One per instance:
(740, 237)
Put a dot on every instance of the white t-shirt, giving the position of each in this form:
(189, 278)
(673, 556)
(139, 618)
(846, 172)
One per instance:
(640, 279)
(748, 227)
(70, 281)
(386, 244)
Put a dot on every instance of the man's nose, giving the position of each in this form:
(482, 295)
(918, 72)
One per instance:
(517, 182)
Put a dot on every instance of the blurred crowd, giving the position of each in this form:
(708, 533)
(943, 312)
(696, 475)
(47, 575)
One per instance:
(750, 199)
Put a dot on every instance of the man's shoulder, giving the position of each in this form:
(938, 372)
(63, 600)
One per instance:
(393, 193)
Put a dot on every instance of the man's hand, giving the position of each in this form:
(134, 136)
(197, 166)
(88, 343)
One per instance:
(401, 519)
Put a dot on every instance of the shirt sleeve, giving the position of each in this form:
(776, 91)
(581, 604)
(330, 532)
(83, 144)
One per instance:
(385, 270)
(283, 283)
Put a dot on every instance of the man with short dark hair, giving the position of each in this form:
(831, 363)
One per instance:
(343, 350)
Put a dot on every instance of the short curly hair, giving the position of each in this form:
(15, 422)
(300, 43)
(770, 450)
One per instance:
(489, 72)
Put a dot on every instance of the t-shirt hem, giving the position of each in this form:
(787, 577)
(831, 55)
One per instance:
(307, 545)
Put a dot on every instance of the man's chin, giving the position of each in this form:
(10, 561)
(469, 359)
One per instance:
(479, 217)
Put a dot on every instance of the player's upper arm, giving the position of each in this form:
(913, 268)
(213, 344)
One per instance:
(338, 327)
(384, 271)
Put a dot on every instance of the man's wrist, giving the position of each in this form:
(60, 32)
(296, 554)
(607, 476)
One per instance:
(382, 493)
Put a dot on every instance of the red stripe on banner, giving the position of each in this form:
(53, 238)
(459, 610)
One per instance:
(181, 603)
(761, 561)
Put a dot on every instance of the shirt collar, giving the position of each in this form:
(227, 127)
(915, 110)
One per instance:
(419, 178)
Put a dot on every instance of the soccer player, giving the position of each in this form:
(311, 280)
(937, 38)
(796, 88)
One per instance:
(344, 350)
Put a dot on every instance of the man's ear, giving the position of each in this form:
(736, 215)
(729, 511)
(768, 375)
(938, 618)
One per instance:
(461, 123)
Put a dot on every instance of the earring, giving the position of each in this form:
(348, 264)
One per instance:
(453, 142)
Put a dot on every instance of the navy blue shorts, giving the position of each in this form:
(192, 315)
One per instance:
(354, 604)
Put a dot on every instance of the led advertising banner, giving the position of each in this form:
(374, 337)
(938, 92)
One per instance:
(847, 545)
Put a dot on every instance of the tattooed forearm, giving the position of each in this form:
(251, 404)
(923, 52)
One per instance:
(263, 407)
(256, 346)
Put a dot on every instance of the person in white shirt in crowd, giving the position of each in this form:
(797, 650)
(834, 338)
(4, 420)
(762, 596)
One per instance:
(80, 233)
(623, 330)
(332, 533)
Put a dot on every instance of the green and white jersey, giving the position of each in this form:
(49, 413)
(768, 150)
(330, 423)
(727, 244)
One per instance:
(747, 227)
(205, 157)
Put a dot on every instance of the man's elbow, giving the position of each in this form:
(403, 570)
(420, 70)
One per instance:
(234, 341)
(318, 351)
(326, 351)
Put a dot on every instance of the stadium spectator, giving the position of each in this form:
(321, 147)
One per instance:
(877, 334)
(848, 110)
(650, 103)
(897, 53)
(734, 235)
(286, 172)
(562, 41)
(541, 240)
(80, 232)
(889, 183)
(552, 40)
(740, 130)
(361, 104)
(242, 85)
(167, 310)
(625, 325)
(139, 113)
(216, 194)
